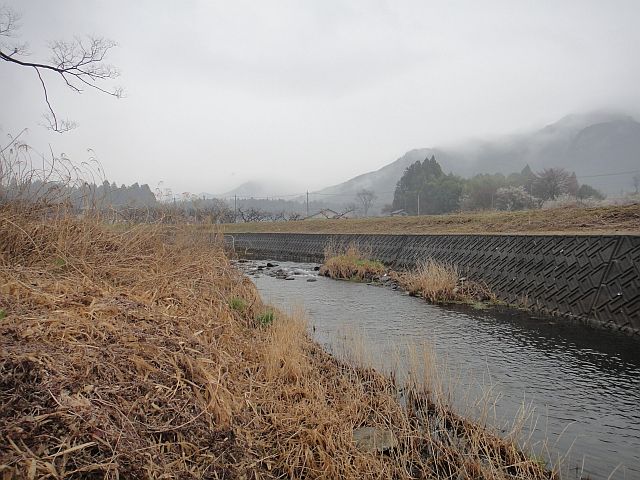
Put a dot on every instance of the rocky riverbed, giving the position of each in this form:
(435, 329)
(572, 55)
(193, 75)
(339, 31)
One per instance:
(308, 272)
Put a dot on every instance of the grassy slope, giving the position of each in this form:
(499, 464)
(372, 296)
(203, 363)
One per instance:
(124, 355)
(598, 220)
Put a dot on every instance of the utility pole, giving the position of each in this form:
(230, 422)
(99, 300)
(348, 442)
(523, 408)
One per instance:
(235, 209)
(418, 203)
(307, 203)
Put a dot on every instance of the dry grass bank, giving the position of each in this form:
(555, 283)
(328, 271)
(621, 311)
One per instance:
(141, 354)
(566, 220)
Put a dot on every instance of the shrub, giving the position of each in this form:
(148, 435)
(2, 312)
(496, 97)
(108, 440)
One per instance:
(587, 191)
(514, 198)
(438, 282)
(350, 263)
(433, 281)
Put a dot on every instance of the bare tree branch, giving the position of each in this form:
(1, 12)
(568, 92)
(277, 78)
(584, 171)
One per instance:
(9, 21)
(80, 63)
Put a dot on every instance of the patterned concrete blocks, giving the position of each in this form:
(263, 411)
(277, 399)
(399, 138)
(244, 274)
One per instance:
(589, 277)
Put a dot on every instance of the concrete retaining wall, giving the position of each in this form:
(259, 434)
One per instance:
(593, 278)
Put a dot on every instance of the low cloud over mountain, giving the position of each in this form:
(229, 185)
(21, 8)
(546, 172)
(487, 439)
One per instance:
(602, 148)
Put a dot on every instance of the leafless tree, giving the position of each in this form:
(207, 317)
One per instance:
(80, 63)
(277, 216)
(366, 197)
(9, 24)
(220, 211)
(553, 182)
(252, 214)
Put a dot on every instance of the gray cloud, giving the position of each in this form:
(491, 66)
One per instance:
(315, 92)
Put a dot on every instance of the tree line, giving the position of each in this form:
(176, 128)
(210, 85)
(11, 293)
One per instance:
(425, 189)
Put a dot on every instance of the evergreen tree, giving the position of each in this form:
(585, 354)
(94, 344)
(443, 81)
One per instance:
(424, 188)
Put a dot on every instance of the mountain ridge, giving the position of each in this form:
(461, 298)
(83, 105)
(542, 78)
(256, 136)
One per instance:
(596, 145)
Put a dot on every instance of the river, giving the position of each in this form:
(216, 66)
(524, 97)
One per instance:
(580, 386)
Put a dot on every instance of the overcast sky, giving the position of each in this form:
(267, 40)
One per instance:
(315, 92)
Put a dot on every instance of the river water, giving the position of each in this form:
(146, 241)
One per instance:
(580, 386)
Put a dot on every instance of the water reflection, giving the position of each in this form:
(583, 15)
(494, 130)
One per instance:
(583, 383)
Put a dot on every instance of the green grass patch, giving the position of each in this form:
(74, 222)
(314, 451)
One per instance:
(238, 304)
(370, 264)
(59, 262)
(3, 314)
(266, 318)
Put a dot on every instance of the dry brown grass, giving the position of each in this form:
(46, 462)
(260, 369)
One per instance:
(110, 360)
(121, 357)
(440, 283)
(350, 262)
(564, 220)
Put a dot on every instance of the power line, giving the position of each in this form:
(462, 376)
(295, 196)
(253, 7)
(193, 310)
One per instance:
(302, 195)
(344, 194)
(609, 174)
